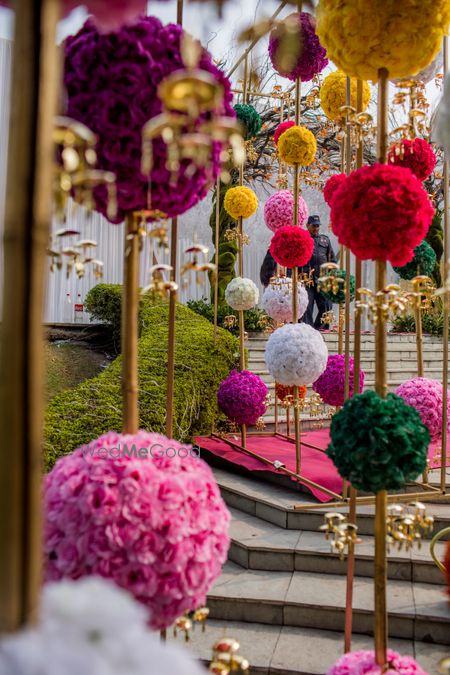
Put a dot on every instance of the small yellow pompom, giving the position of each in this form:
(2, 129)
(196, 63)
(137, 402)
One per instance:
(333, 94)
(240, 202)
(297, 145)
(362, 37)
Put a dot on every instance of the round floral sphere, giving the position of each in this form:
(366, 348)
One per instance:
(387, 36)
(282, 391)
(110, 510)
(332, 185)
(338, 297)
(242, 397)
(249, 117)
(423, 262)
(291, 246)
(111, 82)
(277, 300)
(281, 128)
(378, 443)
(364, 663)
(279, 210)
(425, 396)
(416, 155)
(297, 145)
(333, 95)
(311, 59)
(241, 294)
(296, 354)
(331, 384)
(240, 202)
(381, 212)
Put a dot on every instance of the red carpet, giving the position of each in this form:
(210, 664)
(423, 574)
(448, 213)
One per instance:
(315, 465)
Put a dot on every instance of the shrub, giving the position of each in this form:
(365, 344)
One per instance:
(84, 413)
(256, 320)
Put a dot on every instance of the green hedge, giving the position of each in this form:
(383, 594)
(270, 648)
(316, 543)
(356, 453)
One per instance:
(81, 414)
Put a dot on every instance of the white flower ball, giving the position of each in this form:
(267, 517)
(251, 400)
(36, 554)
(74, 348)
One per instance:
(241, 294)
(296, 354)
(277, 300)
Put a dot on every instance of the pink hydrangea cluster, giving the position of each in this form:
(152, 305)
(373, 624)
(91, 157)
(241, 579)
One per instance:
(364, 663)
(331, 384)
(425, 396)
(279, 210)
(143, 511)
(281, 128)
(242, 397)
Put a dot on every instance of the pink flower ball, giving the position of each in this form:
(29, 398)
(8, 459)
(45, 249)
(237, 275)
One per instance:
(281, 128)
(426, 397)
(242, 397)
(279, 210)
(364, 663)
(332, 185)
(143, 511)
(331, 384)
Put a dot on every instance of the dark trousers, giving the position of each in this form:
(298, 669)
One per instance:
(323, 305)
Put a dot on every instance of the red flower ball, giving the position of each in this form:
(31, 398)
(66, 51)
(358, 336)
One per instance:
(417, 155)
(333, 184)
(292, 246)
(381, 212)
(281, 128)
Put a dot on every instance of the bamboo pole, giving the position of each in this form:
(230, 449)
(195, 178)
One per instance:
(130, 321)
(446, 270)
(35, 86)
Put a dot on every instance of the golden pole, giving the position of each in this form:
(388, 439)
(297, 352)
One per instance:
(297, 429)
(446, 270)
(380, 572)
(348, 168)
(130, 320)
(35, 87)
(419, 338)
(216, 258)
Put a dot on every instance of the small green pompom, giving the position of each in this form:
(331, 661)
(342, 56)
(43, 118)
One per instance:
(339, 297)
(378, 443)
(249, 117)
(423, 262)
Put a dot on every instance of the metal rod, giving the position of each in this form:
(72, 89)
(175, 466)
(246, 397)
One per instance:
(419, 340)
(446, 269)
(130, 328)
(216, 258)
(295, 191)
(171, 332)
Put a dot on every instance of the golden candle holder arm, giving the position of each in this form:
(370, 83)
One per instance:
(406, 525)
(342, 534)
(437, 537)
(226, 659)
(187, 622)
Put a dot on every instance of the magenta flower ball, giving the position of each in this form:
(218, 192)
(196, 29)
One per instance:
(111, 82)
(281, 128)
(279, 210)
(242, 397)
(364, 663)
(142, 510)
(312, 57)
(425, 396)
(331, 384)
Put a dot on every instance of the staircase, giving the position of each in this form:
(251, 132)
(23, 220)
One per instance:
(282, 592)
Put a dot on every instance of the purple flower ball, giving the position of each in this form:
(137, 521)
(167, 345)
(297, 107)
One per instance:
(111, 81)
(331, 384)
(312, 58)
(241, 396)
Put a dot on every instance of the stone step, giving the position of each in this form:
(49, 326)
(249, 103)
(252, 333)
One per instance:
(286, 650)
(258, 545)
(275, 504)
(310, 600)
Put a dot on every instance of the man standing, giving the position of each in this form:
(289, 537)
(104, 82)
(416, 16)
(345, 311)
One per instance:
(323, 253)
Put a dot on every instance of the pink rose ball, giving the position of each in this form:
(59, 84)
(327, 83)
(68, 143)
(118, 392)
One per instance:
(364, 663)
(279, 210)
(331, 384)
(142, 510)
(426, 397)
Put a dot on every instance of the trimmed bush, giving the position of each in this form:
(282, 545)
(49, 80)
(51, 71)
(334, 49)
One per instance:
(81, 414)
(256, 320)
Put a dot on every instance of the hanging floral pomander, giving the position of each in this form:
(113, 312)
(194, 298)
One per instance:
(277, 300)
(249, 118)
(283, 391)
(291, 246)
(240, 202)
(425, 396)
(295, 50)
(241, 294)
(416, 155)
(242, 397)
(281, 128)
(423, 262)
(331, 384)
(279, 210)
(296, 354)
(333, 184)
(364, 663)
(297, 145)
(333, 95)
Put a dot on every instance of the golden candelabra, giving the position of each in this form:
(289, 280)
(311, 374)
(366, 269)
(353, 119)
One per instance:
(342, 534)
(187, 622)
(407, 524)
(196, 265)
(226, 659)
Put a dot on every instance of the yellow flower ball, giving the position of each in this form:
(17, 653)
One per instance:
(403, 36)
(297, 145)
(333, 94)
(240, 202)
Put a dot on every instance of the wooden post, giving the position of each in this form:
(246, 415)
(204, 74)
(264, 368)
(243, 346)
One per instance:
(35, 86)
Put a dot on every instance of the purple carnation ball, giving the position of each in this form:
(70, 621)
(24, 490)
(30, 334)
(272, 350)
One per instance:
(312, 58)
(425, 396)
(241, 396)
(111, 81)
(331, 384)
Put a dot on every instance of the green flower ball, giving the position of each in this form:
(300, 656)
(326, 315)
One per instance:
(378, 443)
(339, 297)
(248, 116)
(423, 262)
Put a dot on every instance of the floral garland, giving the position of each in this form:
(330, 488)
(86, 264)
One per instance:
(241, 294)
(277, 300)
(249, 117)
(279, 210)
(296, 354)
(364, 663)
(416, 155)
(425, 396)
(242, 397)
(333, 95)
(109, 510)
(312, 58)
(331, 384)
(423, 262)
(297, 145)
(291, 246)
(240, 202)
